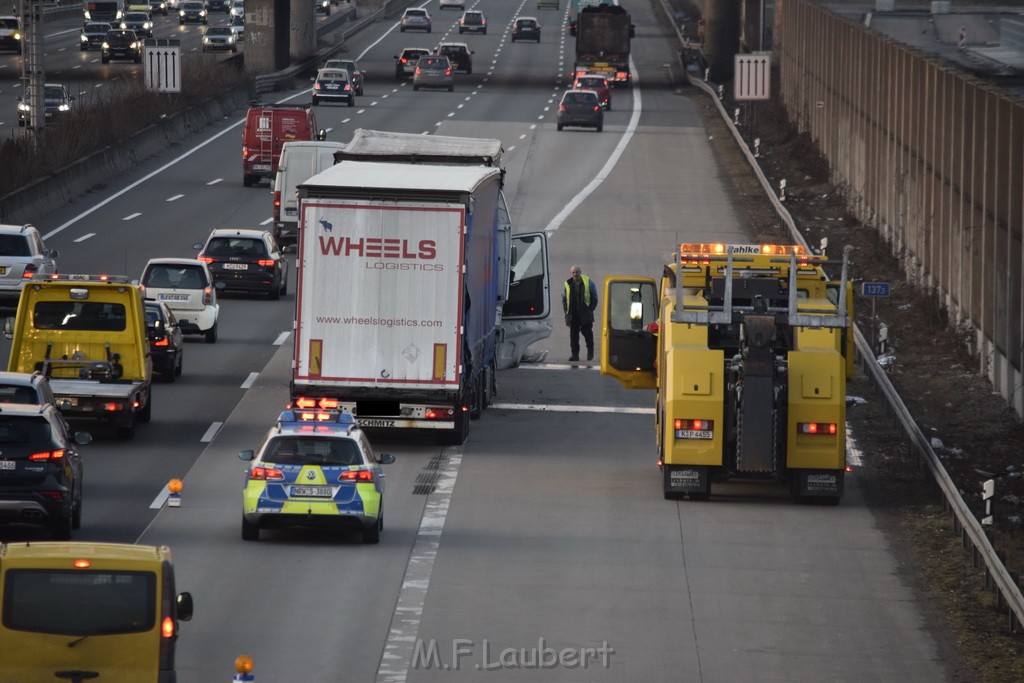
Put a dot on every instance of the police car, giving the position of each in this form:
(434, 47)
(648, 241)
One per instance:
(314, 469)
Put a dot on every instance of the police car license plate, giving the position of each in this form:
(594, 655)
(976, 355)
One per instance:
(6, 464)
(235, 266)
(312, 491)
(693, 434)
(375, 423)
(174, 297)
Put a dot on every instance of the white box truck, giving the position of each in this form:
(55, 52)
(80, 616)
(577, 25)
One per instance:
(399, 315)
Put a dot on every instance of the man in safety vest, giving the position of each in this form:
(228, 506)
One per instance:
(579, 301)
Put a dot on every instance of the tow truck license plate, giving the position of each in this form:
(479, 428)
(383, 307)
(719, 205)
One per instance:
(375, 423)
(69, 401)
(235, 266)
(312, 491)
(693, 434)
(6, 464)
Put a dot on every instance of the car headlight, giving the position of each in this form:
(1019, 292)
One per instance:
(22, 106)
(202, 13)
(106, 45)
(206, 41)
(231, 39)
(181, 12)
(64, 107)
(147, 25)
(85, 38)
(136, 45)
(124, 25)
(88, 17)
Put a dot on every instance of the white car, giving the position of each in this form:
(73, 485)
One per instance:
(186, 286)
(22, 256)
(237, 9)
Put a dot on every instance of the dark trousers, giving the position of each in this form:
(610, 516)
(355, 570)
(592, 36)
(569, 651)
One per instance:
(575, 329)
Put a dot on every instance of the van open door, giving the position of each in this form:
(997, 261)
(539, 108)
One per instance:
(628, 348)
(526, 312)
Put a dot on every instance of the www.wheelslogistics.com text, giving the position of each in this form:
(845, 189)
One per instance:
(483, 655)
(375, 322)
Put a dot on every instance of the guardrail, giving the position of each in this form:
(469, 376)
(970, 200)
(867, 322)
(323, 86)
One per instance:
(965, 523)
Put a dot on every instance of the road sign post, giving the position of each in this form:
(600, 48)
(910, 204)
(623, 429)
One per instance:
(874, 290)
(162, 65)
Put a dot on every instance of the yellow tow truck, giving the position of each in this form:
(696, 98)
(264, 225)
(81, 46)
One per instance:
(87, 334)
(749, 348)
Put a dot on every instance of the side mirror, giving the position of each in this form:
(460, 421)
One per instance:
(247, 455)
(385, 458)
(82, 438)
(51, 253)
(322, 135)
(184, 606)
(197, 245)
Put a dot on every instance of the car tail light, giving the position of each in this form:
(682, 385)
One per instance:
(277, 205)
(417, 71)
(356, 475)
(245, 152)
(403, 60)
(52, 495)
(30, 270)
(207, 296)
(448, 71)
(266, 474)
(162, 342)
(561, 107)
(316, 86)
(597, 107)
(47, 456)
(265, 262)
(205, 259)
(347, 87)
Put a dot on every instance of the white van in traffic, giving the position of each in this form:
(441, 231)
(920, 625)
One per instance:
(300, 161)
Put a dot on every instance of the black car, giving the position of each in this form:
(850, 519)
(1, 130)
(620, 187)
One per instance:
(458, 54)
(40, 469)
(158, 7)
(333, 85)
(121, 44)
(138, 22)
(26, 388)
(246, 260)
(56, 101)
(92, 35)
(473, 20)
(580, 108)
(526, 28)
(166, 341)
(218, 6)
(192, 11)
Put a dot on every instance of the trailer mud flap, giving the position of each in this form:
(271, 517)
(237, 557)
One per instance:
(818, 483)
(686, 479)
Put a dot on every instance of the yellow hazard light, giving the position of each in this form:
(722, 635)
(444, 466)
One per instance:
(243, 664)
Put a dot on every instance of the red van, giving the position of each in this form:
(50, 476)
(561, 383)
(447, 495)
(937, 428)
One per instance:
(267, 128)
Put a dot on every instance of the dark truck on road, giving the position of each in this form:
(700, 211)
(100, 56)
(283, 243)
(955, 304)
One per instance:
(603, 36)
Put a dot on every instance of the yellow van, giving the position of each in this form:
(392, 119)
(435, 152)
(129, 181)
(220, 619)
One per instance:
(95, 610)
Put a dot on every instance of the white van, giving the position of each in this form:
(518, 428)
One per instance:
(300, 161)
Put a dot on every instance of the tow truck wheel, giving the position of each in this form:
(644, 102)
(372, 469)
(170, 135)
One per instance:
(371, 534)
(146, 414)
(126, 433)
(250, 532)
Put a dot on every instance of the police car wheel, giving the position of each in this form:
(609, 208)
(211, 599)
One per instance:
(371, 534)
(250, 532)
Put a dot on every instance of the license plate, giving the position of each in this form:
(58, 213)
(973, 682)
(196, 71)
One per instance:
(6, 464)
(174, 297)
(235, 266)
(69, 401)
(331, 86)
(375, 423)
(261, 167)
(693, 434)
(312, 491)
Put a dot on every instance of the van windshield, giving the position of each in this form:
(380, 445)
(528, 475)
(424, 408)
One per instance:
(79, 603)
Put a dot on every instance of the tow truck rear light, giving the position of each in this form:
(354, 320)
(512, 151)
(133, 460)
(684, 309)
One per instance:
(113, 407)
(266, 474)
(167, 627)
(47, 456)
(816, 428)
(439, 413)
(694, 428)
(356, 475)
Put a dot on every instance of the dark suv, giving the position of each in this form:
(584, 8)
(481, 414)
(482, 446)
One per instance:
(458, 54)
(40, 469)
(121, 44)
(26, 388)
(246, 260)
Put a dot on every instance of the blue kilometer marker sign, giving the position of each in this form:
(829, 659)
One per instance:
(874, 289)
